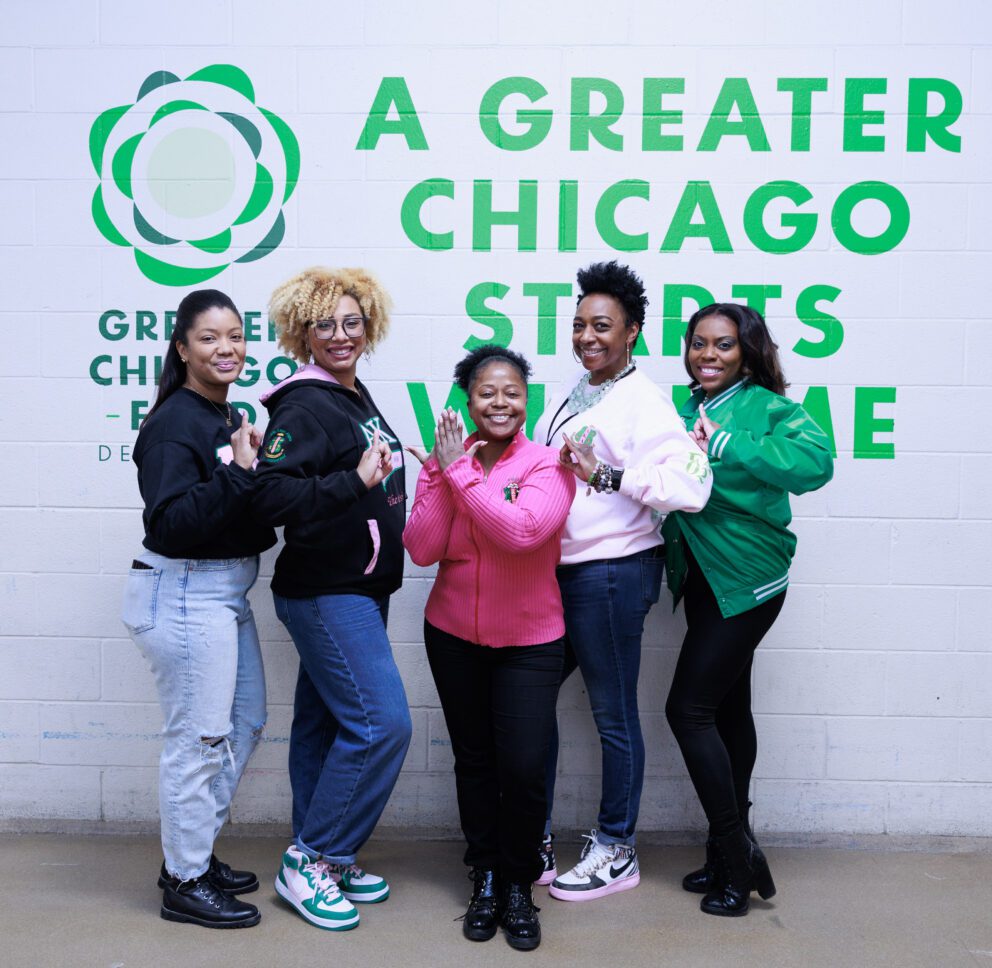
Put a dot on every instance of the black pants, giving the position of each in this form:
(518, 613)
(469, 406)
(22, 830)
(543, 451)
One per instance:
(499, 706)
(709, 704)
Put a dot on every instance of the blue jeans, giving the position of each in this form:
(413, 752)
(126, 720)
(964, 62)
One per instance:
(606, 603)
(192, 622)
(351, 725)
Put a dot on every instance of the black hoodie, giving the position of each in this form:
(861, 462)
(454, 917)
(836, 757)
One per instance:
(197, 500)
(341, 537)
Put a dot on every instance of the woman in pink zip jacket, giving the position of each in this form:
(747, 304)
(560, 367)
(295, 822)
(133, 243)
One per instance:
(491, 510)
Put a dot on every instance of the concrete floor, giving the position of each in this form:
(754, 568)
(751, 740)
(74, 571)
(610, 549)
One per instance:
(91, 902)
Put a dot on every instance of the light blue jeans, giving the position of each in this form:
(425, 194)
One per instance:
(192, 622)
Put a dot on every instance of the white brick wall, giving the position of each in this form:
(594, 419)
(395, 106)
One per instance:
(871, 692)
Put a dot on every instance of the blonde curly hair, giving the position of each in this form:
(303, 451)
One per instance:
(314, 294)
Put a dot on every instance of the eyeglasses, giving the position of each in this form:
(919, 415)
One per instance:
(350, 325)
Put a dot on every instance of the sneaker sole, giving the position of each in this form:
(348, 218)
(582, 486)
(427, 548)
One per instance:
(168, 915)
(547, 877)
(626, 884)
(241, 890)
(287, 895)
(374, 897)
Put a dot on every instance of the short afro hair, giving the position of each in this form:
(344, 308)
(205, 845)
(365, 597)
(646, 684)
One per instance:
(467, 368)
(620, 282)
(314, 294)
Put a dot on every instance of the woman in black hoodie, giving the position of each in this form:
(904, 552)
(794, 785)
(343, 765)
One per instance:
(331, 471)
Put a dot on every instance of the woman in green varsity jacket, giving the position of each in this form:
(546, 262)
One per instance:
(730, 562)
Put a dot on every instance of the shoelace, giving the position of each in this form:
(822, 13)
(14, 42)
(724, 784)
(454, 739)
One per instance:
(323, 882)
(352, 869)
(594, 855)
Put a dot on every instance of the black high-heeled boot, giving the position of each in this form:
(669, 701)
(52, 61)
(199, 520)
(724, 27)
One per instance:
(703, 880)
(481, 918)
(741, 867)
(518, 915)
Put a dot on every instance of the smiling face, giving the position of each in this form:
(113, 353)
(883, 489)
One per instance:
(714, 354)
(497, 401)
(214, 352)
(339, 354)
(600, 336)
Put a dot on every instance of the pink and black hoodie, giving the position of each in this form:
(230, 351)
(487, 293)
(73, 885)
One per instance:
(341, 538)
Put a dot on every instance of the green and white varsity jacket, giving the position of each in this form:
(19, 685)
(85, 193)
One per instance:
(767, 446)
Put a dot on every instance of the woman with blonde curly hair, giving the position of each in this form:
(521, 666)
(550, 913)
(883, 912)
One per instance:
(331, 471)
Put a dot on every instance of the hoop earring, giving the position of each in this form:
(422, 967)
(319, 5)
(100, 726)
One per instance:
(628, 354)
(575, 356)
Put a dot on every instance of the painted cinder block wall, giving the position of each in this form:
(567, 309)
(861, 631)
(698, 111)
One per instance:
(872, 691)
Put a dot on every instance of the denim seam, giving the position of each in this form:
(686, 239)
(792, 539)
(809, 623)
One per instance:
(612, 573)
(368, 739)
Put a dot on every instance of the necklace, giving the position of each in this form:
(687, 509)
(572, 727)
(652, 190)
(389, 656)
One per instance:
(583, 396)
(226, 416)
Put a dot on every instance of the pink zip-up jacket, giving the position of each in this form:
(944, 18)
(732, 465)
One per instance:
(498, 541)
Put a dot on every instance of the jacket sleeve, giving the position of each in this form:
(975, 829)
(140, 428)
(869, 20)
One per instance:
(793, 454)
(669, 472)
(184, 510)
(543, 502)
(290, 488)
(429, 526)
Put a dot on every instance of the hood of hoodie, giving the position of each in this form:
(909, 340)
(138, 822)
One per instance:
(309, 373)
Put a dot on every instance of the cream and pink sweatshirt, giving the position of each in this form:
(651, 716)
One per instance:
(498, 541)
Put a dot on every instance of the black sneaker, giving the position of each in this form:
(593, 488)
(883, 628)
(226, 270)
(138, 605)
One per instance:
(198, 901)
(221, 875)
(518, 916)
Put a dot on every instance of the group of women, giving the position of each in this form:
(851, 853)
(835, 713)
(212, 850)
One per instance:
(550, 554)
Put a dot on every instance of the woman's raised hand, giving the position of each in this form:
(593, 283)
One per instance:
(449, 440)
(577, 456)
(704, 429)
(376, 463)
(245, 442)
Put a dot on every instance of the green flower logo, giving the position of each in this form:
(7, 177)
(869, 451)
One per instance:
(194, 172)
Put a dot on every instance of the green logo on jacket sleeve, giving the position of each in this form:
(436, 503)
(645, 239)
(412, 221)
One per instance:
(275, 447)
(698, 466)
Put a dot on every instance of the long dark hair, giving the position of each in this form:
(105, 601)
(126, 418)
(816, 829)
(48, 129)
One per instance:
(761, 364)
(173, 368)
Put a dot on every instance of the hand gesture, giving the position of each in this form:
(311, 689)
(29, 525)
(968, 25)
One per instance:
(376, 463)
(449, 440)
(704, 429)
(577, 456)
(418, 452)
(245, 442)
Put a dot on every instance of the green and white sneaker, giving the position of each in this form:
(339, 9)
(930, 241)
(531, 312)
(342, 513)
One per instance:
(358, 885)
(310, 888)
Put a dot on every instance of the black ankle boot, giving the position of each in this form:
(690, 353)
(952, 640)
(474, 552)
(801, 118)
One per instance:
(221, 876)
(198, 901)
(518, 916)
(703, 880)
(479, 923)
(741, 867)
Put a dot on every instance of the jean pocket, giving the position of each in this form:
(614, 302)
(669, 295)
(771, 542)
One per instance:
(652, 570)
(141, 599)
(214, 564)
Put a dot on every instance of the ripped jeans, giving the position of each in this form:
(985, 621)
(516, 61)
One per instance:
(191, 620)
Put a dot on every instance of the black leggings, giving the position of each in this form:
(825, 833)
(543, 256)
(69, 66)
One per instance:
(499, 706)
(709, 704)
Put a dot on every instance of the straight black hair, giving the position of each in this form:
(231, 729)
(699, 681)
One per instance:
(173, 368)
